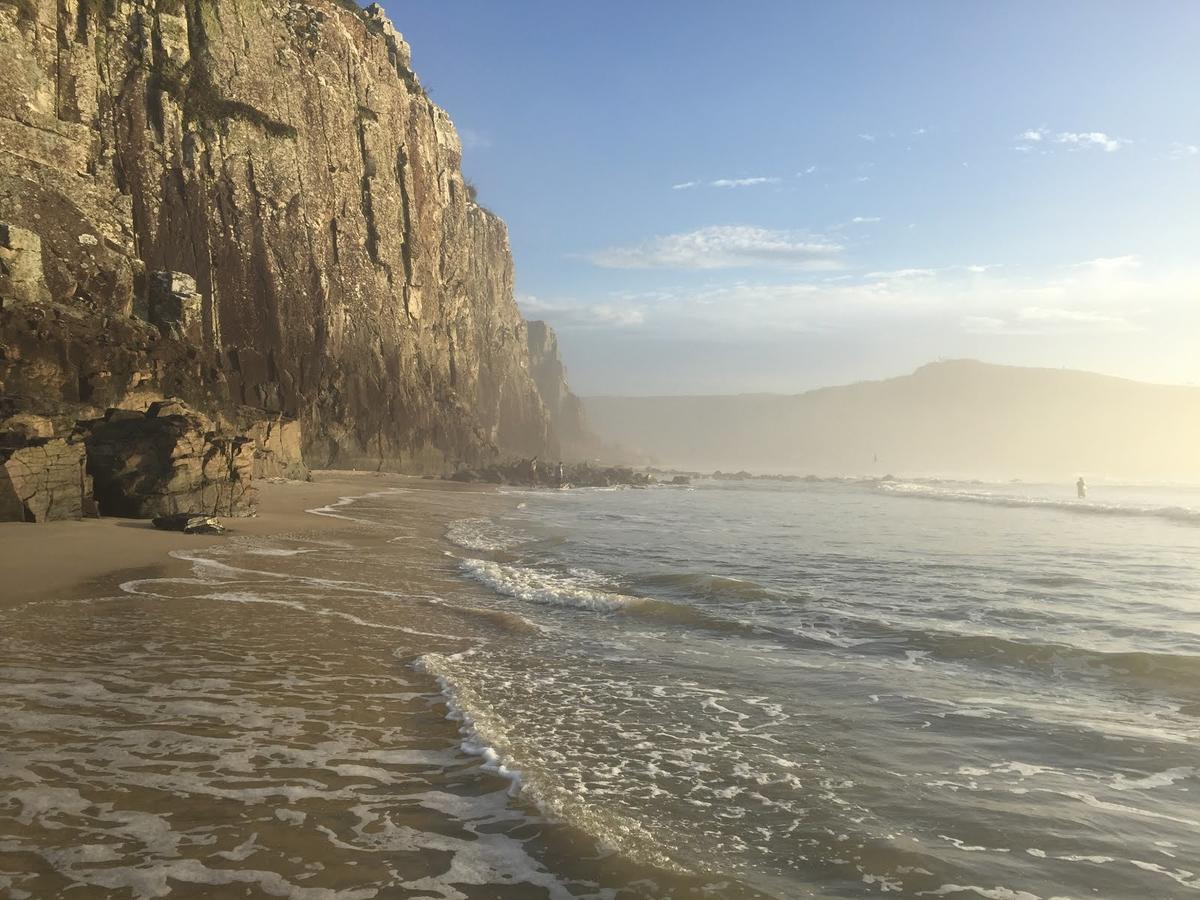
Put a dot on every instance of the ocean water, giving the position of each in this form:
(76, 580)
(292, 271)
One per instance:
(736, 689)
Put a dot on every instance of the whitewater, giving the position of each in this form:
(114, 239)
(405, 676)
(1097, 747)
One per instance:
(730, 689)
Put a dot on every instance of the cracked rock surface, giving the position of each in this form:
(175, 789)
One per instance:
(252, 206)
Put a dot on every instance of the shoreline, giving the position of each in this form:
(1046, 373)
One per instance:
(45, 560)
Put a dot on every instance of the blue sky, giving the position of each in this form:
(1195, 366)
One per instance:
(710, 197)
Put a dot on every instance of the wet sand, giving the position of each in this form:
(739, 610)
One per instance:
(247, 715)
(56, 559)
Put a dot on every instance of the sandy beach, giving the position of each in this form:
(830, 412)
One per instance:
(51, 559)
(254, 714)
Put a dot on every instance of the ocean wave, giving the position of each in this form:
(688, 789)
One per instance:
(1183, 514)
(486, 735)
(579, 588)
(709, 587)
(482, 534)
(1176, 671)
(585, 589)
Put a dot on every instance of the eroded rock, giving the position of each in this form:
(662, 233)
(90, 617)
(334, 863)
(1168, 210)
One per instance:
(272, 191)
(44, 480)
(169, 460)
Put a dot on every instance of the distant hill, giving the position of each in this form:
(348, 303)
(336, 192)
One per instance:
(955, 418)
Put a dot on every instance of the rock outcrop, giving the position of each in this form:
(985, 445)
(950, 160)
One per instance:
(42, 478)
(564, 408)
(254, 206)
(533, 473)
(168, 460)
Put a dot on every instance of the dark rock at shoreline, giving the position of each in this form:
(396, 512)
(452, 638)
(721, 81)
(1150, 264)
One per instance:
(189, 523)
(534, 473)
(168, 460)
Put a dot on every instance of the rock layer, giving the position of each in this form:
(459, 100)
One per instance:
(251, 205)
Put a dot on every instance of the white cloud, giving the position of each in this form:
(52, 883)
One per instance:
(725, 247)
(865, 220)
(1091, 139)
(1075, 140)
(869, 138)
(1108, 264)
(1039, 320)
(726, 183)
(1183, 151)
(742, 182)
(807, 171)
(572, 313)
(980, 269)
(863, 179)
(902, 274)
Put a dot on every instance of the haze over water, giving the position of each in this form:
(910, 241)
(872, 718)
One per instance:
(738, 689)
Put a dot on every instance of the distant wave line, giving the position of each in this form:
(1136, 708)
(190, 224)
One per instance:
(1182, 514)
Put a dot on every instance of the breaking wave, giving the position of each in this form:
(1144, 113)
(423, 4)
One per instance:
(1183, 514)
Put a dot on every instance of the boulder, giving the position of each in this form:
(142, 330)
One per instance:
(169, 460)
(44, 480)
(189, 523)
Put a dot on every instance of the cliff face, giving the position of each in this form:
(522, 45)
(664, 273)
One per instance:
(564, 408)
(275, 175)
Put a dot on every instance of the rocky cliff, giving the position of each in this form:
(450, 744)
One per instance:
(252, 205)
(562, 405)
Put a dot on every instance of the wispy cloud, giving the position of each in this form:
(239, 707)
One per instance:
(869, 138)
(902, 274)
(809, 171)
(571, 313)
(1110, 295)
(742, 182)
(1183, 151)
(1107, 265)
(727, 183)
(1074, 140)
(725, 247)
(866, 220)
(1040, 320)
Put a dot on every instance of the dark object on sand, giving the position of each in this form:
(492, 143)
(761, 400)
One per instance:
(189, 523)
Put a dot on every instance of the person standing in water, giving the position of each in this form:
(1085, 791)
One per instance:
(1081, 488)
